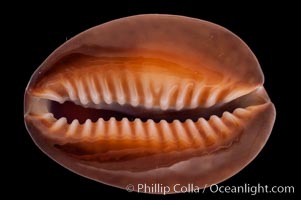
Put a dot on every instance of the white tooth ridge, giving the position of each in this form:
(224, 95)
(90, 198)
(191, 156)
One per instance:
(211, 100)
(87, 127)
(100, 129)
(152, 130)
(93, 91)
(182, 94)
(119, 92)
(82, 93)
(207, 128)
(196, 95)
(139, 130)
(51, 95)
(70, 89)
(59, 123)
(48, 116)
(112, 128)
(227, 115)
(134, 100)
(126, 128)
(194, 131)
(241, 112)
(148, 100)
(165, 99)
(105, 90)
(72, 127)
(181, 132)
(232, 118)
(167, 131)
(219, 123)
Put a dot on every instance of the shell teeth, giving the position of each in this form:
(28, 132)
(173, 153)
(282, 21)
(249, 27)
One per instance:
(165, 100)
(72, 127)
(87, 127)
(52, 95)
(100, 128)
(183, 91)
(212, 98)
(59, 124)
(197, 91)
(93, 90)
(227, 115)
(241, 113)
(107, 97)
(119, 91)
(129, 89)
(126, 128)
(168, 133)
(208, 131)
(172, 135)
(148, 100)
(112, 128)
(47, 116)
(219, 124)
(162, 136)
(70, 90)
(132, 87)
(182, 134)
(231, 118)
(139, 130)
(82, 93)
(191, 126)
(152, 132)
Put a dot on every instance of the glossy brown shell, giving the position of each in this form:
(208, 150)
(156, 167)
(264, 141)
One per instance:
(194, 88)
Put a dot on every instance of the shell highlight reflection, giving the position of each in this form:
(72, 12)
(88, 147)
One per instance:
(151, 99)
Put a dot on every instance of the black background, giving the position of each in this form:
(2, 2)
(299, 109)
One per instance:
(269, 31)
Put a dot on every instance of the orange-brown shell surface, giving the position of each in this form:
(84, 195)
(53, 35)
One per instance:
(151, 99)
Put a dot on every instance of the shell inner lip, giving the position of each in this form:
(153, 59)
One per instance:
(72, 111)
